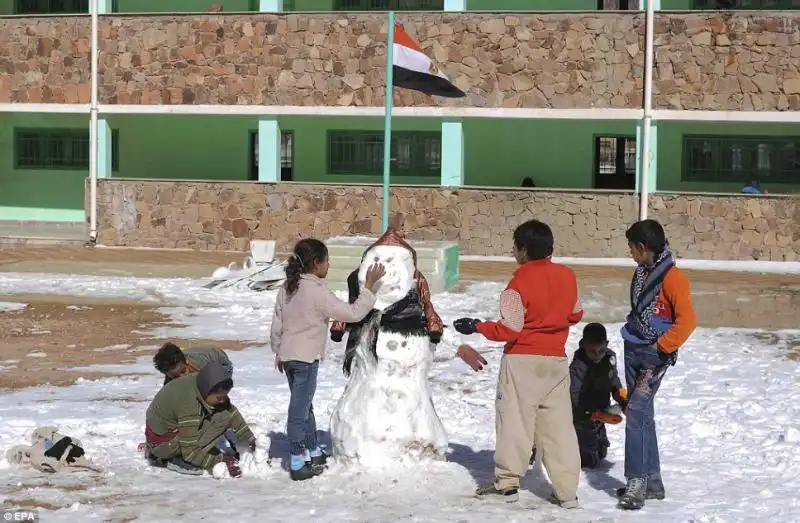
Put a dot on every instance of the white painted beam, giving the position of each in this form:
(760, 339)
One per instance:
(44, 108)
(421, 112)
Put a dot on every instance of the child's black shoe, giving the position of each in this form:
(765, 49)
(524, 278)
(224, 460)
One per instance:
(307, 472)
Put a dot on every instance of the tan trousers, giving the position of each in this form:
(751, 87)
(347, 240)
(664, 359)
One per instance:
(533, 403)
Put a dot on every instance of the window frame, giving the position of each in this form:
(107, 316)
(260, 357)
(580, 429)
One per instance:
(720, 174)
(394, 5)
(65, 132)
(18, 8)
(252, 168)
(413, 171)
(782, 5)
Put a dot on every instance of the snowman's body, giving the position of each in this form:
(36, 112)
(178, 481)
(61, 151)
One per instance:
(386, 411)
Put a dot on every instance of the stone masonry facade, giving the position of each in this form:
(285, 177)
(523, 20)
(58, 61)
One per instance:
(227, 215)
(712, 61)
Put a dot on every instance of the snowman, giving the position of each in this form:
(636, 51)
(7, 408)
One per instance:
(386, 412)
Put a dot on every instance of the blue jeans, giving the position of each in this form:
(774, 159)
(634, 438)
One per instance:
(301, 426)
(644, 364)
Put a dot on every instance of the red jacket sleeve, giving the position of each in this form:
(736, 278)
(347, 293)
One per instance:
(577, 312)
(678, 293)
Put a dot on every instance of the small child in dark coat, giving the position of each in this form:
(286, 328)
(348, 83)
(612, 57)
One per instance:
(593, 378)
(593, 381)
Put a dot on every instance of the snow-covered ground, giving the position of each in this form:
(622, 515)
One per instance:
(727, 417)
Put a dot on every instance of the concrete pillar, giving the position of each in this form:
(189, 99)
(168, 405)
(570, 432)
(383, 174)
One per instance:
(455, 5)
(103, 7)
(269, 150)
(652, 175)
(105, 148)
(643, 5)
(452, 153)
(270, 6)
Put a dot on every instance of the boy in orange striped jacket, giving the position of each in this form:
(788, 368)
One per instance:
(661, 320)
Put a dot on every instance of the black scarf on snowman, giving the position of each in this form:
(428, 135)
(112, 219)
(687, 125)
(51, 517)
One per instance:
(406, 317)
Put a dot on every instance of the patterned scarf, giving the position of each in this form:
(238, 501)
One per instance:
(407, 317)
(645, 288)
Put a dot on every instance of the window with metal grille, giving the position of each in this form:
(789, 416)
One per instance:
(741, 159)
(786, 5)
(287, 155)
(388, 5)
(34, 7)
(57, 149)
(361, 152)
(615, 162)
(617, 5)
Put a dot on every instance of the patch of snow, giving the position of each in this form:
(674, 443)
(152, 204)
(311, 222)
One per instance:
(726, 417)
(78, 307)
(757, 266)
(112, 348)
(11, 306)
(37, 354)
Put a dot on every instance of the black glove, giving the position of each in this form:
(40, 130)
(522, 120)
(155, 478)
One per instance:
(435, 337)
(466, 326)
(337, 336)
(667, 358)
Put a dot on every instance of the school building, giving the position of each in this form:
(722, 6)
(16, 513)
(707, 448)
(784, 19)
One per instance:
(291, 91)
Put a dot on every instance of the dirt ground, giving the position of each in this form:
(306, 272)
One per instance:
(53, 335)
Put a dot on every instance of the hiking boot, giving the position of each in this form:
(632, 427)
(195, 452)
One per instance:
(183, 467)
(655, 489)
(634, 496)
(307, 472)
(492, 493)
(563, 504)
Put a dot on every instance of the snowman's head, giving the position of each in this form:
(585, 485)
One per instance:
(399, 277)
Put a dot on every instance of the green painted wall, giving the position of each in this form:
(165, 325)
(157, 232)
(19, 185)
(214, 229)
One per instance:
(180, 6)
(38, 195)
(555, 153)
(6, 7)
(670, 153)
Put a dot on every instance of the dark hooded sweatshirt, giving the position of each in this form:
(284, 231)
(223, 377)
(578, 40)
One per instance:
(592, 384)
(180, 405)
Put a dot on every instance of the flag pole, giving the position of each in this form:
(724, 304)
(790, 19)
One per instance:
(387, 123)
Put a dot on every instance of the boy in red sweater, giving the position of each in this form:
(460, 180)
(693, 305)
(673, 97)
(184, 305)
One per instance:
(537, 308)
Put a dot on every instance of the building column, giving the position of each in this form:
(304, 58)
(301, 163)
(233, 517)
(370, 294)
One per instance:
(270, 6)
(452, 153)
(455, 5)
(103, 7)
(105, 149)
(652, 159)
(643, 5)
(269, 150)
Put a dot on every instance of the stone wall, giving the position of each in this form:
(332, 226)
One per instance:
(712, 61)
(45, 60)
(339, 60)
(226, 215)
(725, 61)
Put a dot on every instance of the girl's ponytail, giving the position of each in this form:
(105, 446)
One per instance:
(306, 255)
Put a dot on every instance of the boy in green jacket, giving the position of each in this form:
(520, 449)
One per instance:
(173, 362)
(192, 424)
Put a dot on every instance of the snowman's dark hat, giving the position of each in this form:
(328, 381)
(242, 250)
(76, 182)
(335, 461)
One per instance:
(394, 239)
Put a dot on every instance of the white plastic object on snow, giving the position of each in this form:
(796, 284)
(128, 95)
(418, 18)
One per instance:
(259, 270)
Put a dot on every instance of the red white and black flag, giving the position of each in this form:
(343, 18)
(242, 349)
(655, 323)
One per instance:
(414, 70)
